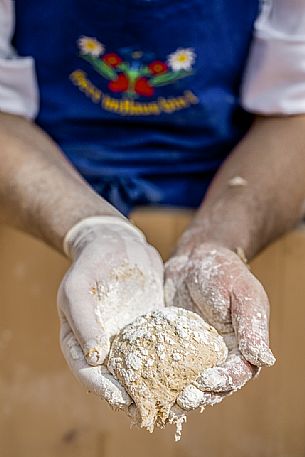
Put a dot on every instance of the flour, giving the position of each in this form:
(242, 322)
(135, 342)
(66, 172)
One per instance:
(124, 294)
(157, 356)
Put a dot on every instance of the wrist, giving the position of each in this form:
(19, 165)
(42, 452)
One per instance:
(90, 228)
(233, 230)
(192, 239)
(78, 205)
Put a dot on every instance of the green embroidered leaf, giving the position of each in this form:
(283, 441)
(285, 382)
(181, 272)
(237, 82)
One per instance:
(145, 71)
(101, 67)
(168, 78)
(124, 67)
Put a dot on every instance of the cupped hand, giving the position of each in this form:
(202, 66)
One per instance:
(115, 276)
(214, 282)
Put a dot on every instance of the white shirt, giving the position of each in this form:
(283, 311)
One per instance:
(18, 86)
(274, 78)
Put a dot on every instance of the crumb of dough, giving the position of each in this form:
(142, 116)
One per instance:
(237, 181)
(158, 355)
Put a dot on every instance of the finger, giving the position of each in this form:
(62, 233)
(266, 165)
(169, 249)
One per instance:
(96, 379)
(176, 292)
(213, 398)
(250, 318)
(78, 301)
(234, 373)
(209, 292)
(156, 283)
(156, 262)
(193, 398)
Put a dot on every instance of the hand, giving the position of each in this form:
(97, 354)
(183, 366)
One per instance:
(115, 277)
(214, 282)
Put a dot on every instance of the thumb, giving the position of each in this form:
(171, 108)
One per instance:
(250, 319)
(80, 311)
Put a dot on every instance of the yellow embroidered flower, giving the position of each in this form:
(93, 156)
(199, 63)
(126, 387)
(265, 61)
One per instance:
(91, 46)
(182, 59)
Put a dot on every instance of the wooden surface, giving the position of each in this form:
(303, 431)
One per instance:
(45, 413)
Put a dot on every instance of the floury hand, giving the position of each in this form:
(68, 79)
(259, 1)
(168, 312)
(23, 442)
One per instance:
(115, 277)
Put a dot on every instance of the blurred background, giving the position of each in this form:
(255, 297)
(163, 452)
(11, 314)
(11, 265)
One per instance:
(44, 411)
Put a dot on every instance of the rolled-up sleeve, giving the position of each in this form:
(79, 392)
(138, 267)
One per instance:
(274, 79)
(18, 86)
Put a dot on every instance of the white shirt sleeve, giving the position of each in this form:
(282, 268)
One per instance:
(18, 87)
(274, 80)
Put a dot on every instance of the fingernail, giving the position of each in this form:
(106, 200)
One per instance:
(267, 358)
(258, 355)
(95, 350)
(93, 356)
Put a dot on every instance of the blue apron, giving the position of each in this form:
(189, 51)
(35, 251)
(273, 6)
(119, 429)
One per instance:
(141, 95)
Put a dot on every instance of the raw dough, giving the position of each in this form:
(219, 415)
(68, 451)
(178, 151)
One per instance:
(159, 354)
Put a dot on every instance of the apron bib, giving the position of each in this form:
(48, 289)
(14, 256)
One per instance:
(141, 95)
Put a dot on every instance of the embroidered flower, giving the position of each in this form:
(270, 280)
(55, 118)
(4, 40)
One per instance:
(120, 84)
(135, 76)
(182, 59)
(142, 87)
(157, 67)
(90, 46)
(112, 59)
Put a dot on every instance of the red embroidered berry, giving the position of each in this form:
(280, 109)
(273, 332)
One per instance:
(142, 87)
(112, 59)
(120, 84)
(157, 67)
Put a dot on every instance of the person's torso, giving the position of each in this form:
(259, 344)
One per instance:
(141, 91)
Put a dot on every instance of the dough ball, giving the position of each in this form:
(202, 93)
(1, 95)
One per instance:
(158, 355)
